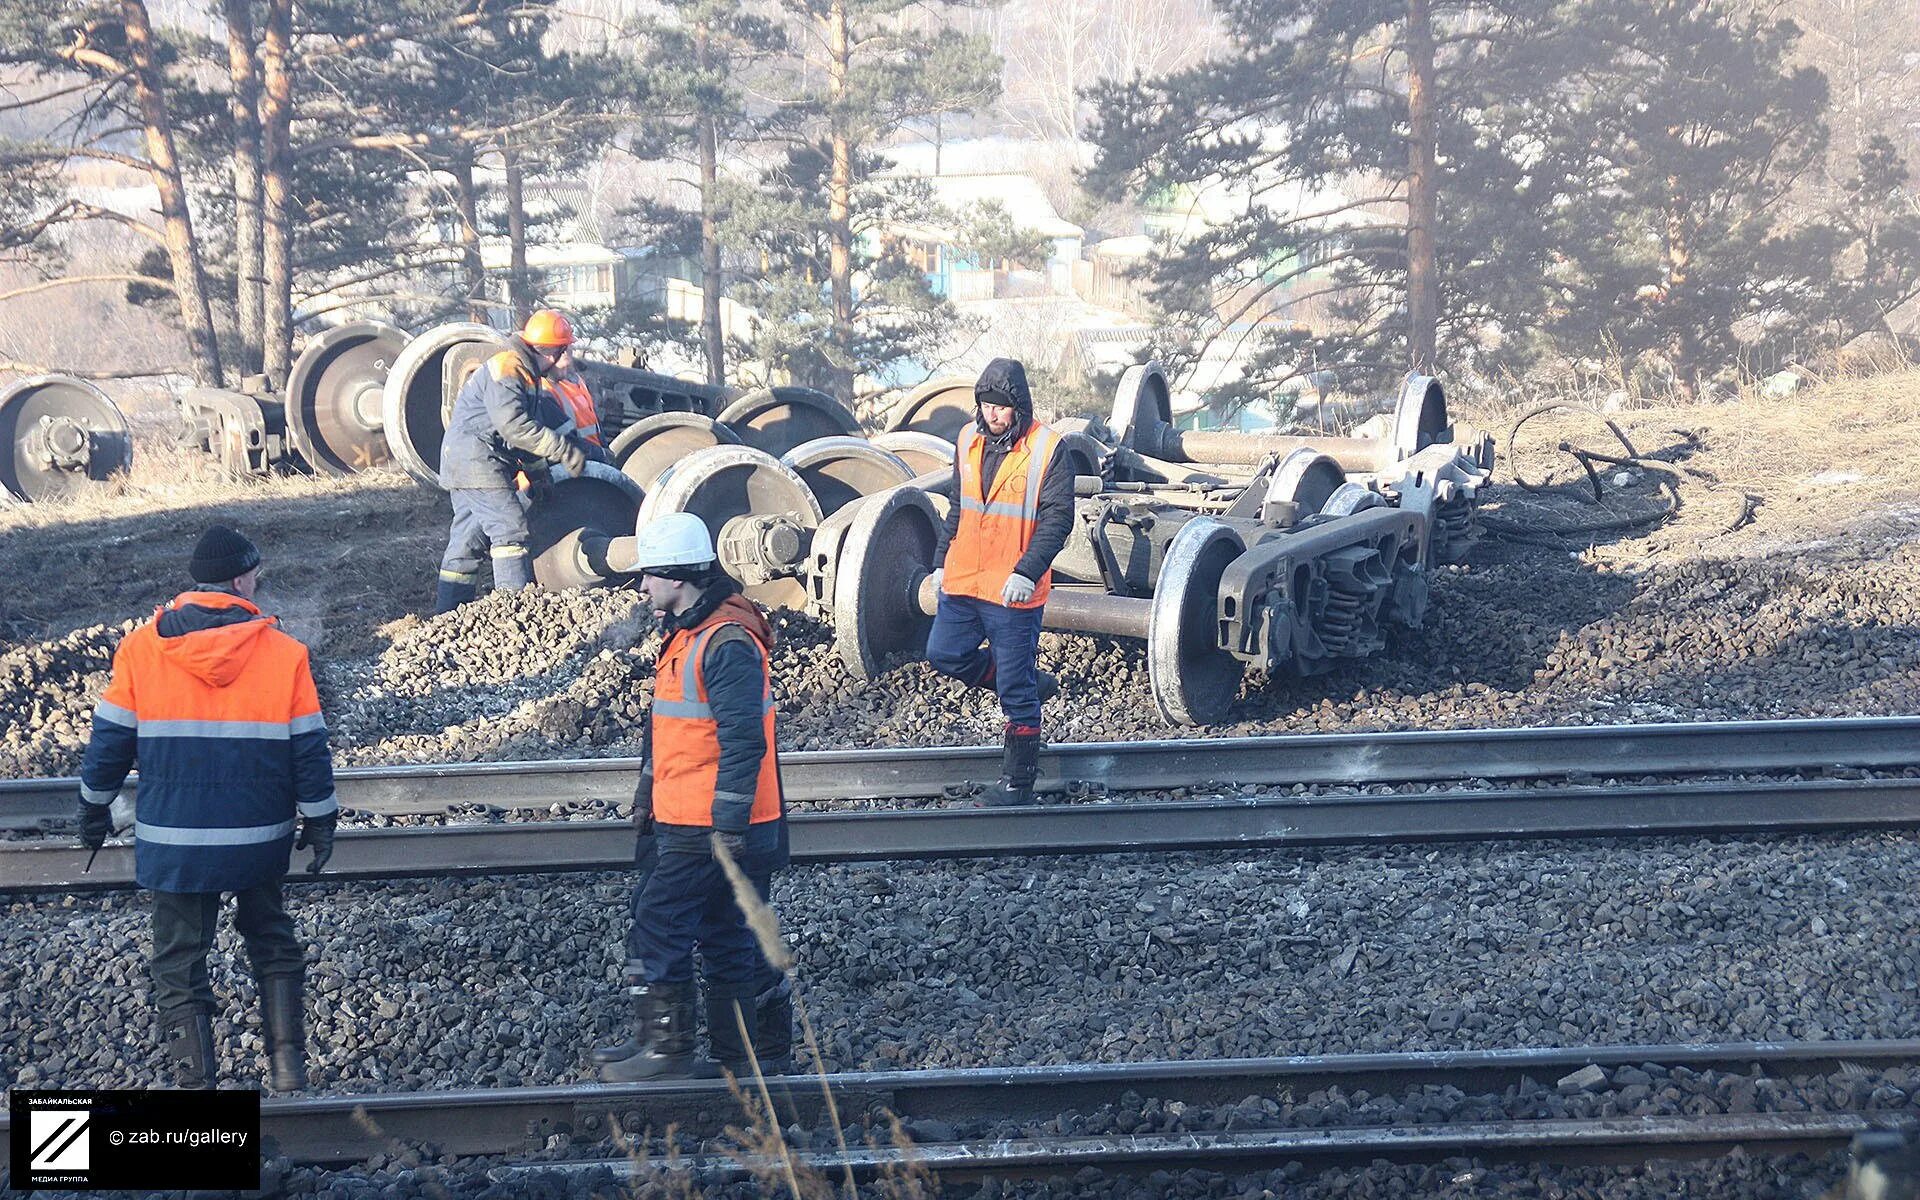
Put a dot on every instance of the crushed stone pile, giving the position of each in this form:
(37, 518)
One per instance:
(1518, 635)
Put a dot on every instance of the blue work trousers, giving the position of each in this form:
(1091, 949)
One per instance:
(490, 522)
(1009, 663)
(683, 901)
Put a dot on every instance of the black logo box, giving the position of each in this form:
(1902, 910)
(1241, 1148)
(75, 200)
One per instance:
(135, 1140)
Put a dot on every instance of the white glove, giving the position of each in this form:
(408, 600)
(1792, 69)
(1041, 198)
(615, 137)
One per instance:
(1018, 589)
(939, 578)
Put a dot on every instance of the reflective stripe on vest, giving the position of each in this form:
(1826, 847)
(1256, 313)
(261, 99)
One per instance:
(244, 835)
(686, 737)
(997, 527)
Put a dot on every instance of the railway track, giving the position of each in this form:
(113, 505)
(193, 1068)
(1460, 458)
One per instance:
(338, 1130)
(1111, 827)
(1115, 824)
(1599, 1141)
(1316, 759)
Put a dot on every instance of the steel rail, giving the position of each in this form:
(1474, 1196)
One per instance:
(1110, 827)
(1580, 1142)
(1319, 758)
(350, 1128)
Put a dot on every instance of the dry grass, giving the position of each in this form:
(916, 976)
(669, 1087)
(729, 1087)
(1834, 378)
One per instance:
(167, 474)
(1823, 465)
(342, 556)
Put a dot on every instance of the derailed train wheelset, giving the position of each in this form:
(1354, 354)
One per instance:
(1221, 552)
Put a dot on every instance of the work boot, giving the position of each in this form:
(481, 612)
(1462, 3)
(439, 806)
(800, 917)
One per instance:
(663, 1015)
(187, 1036)
(774, 1028)
(1019, 767)
(728, 1052)
(283, 1021)
(600, 1056)
(1049, 685)
(769, 1017)
(452, 595)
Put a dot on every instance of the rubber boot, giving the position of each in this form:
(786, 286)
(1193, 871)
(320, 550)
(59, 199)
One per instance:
(1019, 767)
(283, 1020)
(1049, 686)
(452, 595)
(187, 1036)
(600, 1056)
(664, 1014)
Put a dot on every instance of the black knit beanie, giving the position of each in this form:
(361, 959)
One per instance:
(223, 554)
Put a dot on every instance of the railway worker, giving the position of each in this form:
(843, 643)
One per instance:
(508, 417)
(1012, 515)
(711, 779)
(217, 705)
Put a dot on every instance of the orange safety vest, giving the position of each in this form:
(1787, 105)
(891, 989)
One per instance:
(686, 738)
(996, 529)
(578, 403)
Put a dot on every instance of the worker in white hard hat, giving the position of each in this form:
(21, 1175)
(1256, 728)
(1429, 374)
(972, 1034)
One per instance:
(710, 785)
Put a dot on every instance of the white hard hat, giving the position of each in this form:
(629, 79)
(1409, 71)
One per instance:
(672, 540)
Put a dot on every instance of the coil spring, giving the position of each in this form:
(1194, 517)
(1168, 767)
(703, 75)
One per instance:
(1341, 619)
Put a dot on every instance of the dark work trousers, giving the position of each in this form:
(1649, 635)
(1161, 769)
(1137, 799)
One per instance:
(487, 522)
(686, 901)
(1012, 636)
(183, 927)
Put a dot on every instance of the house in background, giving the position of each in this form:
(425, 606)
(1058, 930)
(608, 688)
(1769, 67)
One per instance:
(955, 270)
(568, 252)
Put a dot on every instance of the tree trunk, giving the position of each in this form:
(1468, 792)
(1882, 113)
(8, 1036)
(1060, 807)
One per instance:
(519, 282)
(276, 191)
(1676, 261)
(243, 69)
(1423, 186)
(471, 264)
(840, 200)
(711, 283)
(183, 249)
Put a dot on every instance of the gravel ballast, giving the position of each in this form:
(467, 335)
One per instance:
(459, 983)
(1519, 636)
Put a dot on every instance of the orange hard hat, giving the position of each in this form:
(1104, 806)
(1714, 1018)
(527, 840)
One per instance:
(548, 327)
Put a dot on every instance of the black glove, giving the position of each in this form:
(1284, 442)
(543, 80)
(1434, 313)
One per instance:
(539, 486)
(96, 822)
(573, 456)
(736, 843)
(643, 801)
(318, 833)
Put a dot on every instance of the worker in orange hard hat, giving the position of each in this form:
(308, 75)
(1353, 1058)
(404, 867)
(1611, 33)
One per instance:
(509, 417)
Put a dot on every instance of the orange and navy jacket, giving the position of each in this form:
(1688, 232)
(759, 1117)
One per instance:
(712, 730)
(218, 708)
(505, 418)
(995, 521)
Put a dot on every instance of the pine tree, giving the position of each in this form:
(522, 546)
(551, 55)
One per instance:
(109, 51)
(1355, 138)
(885, 63)
(1680, 258)
(703, 56)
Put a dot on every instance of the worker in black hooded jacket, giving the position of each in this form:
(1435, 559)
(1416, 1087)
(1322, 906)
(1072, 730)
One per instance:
(1012, 511)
